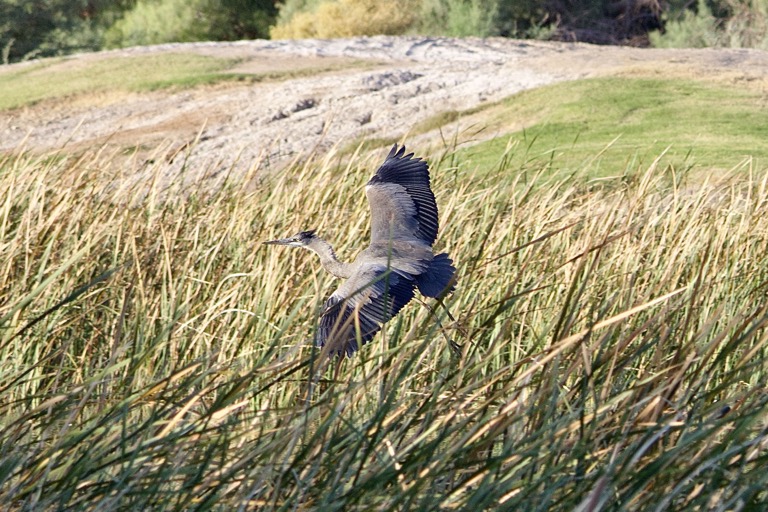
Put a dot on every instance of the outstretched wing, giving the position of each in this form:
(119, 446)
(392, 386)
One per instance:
(360, 306)
(402, 204)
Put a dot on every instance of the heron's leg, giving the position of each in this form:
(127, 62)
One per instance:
(455, 347)
(459, 328)
(318, 367)
(339, 359)
(447, 311)
(313, 379)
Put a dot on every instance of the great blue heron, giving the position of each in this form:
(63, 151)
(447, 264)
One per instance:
(383, 277)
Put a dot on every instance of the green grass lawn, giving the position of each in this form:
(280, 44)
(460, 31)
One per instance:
(615, 126)
(49, 80)
(59, 80)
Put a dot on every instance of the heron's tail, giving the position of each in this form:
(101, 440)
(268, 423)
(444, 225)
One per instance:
(438, 277)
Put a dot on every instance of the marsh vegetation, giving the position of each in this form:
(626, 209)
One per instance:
(153, 355)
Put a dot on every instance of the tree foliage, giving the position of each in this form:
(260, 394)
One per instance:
(40, 28)
(604, 21)
(163, 21)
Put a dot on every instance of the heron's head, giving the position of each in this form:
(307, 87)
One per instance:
(301, 239)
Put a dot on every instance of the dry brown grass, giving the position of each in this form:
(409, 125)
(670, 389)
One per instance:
(155, 355)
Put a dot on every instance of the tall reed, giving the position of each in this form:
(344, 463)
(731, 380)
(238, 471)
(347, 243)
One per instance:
(154, 355)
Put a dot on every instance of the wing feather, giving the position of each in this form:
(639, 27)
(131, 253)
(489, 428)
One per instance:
(359, 308)
(402, 202)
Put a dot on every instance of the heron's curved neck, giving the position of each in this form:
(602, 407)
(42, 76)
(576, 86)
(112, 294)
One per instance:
(328, 258)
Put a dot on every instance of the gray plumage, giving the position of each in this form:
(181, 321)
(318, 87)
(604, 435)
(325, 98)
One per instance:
(399, 260)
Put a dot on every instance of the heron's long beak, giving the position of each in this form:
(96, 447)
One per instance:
(279, 241)
(282, 241)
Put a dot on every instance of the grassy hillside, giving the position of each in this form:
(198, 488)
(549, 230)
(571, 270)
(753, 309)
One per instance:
(58, 80)
(154, 355)
(608, 127)
(599, 127)
(51, 79)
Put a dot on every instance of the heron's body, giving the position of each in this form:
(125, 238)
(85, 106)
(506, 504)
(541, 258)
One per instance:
(399, 260)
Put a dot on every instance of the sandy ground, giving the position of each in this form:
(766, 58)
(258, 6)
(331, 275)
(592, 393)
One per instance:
(339, 92)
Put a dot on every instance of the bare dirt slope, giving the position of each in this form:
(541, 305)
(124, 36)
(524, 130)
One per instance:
(377, 87)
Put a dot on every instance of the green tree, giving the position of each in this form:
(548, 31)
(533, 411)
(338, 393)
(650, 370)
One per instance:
(41, 28)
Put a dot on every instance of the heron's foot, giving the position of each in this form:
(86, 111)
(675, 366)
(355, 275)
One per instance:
(456, 349)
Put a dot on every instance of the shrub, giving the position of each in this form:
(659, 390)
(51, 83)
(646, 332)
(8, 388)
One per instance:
(153, 22)
(747, 25)
(290, 8)
(520, 18)
(731, 23)
(346, 18)
(338, 18)
(459, 18)
(695, 29)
